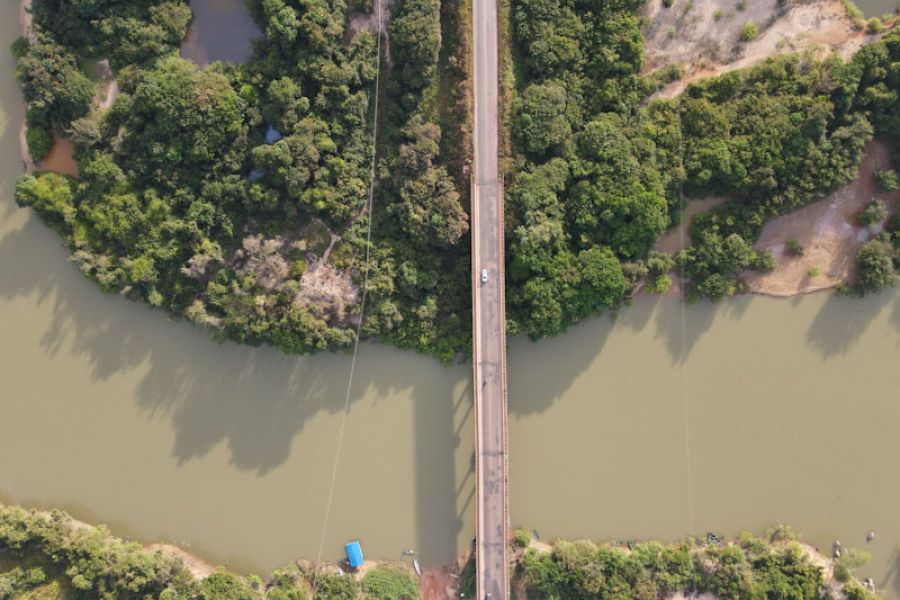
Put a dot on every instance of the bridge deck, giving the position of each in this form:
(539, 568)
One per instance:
(489, 317)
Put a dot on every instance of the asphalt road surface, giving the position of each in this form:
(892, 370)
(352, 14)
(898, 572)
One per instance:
(489, 317)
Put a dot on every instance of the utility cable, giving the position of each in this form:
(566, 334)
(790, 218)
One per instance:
(685, 401)
(362, 304)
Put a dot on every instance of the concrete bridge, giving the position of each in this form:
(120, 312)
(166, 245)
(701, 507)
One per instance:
(489, 317)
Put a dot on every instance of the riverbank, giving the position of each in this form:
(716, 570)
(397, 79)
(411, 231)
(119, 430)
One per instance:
(50, 553)
(58, 554)
(747, 566)
(828, 233)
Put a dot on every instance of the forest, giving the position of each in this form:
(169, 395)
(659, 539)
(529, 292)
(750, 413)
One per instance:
(186, 201)
(598, 172)
(57, 558)
(183, 203)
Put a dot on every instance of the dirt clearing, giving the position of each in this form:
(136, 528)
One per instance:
(828, 233)
(705, 36)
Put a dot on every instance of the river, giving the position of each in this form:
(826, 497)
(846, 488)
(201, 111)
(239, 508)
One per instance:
(876, 8)
(668, 421)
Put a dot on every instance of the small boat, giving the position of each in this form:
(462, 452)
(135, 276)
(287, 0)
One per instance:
(409, 552)
(417, 567)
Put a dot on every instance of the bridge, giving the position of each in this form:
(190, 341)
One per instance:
(489, 317)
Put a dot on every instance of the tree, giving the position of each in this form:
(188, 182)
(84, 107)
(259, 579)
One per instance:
(875, 266)
(887, 180)
(416, 41)
(56, 91)
(874, 214)
(51, 197)
(541, 122)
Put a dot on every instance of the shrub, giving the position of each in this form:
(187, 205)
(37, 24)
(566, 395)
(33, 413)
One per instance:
(523, 537)
(848, 562)
(813, 272)
(749, 32)
(659, 284)
(853, 11)
(887, 180)
(875, 266)
(39, 140)
(794, 248)
(764, 261)
(19, 48)
(875, 25)
(387, 582)
(874, 214)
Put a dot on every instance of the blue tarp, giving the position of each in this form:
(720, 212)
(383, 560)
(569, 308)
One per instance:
(354, 554)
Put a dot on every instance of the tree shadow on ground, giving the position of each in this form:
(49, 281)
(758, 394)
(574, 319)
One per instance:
(843, 320)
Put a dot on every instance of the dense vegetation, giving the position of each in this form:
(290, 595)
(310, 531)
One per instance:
(752, 568)
(185, 202)
(47, 556)
(599, 173)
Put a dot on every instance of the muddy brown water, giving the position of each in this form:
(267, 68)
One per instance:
(220, 30)
(61, 158)
(669, 421)
(876, 8)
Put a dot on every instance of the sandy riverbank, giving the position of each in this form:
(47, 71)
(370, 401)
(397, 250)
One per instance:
(828, 232)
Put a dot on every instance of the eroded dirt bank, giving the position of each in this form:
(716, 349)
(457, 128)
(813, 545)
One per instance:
(705, 36)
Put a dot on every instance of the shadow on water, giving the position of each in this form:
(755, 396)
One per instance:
(441, 502)
(842, 320)
(891, 579)
(678, 325)
(531, 388)
(255, 401)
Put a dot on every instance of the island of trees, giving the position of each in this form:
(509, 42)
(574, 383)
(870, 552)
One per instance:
(236, 194)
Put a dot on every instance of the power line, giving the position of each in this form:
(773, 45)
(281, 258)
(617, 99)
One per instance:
(362, 304)
(685, 401)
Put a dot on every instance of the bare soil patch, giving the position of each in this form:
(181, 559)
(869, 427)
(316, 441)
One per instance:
(828, 232)
(677, 238)
(60, 159)
(198, 568)
(704, 36)
(440, 583)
